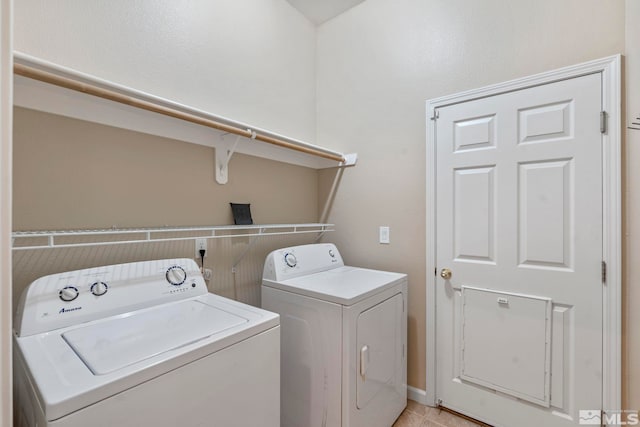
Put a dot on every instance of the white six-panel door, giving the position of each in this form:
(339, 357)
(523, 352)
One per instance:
(519, 225)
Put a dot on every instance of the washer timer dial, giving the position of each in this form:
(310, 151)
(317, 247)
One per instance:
(68, 293)
(290, 259)
(99, 288)
(176, 275)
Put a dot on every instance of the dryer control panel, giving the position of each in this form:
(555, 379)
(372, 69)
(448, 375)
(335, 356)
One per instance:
(74, 297)
(295, 261)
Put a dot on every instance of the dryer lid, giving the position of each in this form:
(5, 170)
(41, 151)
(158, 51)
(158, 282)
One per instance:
(342, 285)
(107, 346)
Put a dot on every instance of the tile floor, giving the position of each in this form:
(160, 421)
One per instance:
(417, 415)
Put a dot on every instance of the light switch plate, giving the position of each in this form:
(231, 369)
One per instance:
(384, 235)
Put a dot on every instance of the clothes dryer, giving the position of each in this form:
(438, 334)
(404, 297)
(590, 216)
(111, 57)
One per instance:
(344, 338)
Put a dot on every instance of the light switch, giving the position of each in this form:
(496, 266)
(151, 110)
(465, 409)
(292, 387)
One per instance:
(384, 235)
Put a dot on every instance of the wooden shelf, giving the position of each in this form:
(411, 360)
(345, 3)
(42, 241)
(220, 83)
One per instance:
(48, 87)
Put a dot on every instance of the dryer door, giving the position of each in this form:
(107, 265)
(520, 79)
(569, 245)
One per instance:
(380, 353)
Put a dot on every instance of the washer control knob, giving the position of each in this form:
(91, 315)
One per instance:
(331, 253)
(99, 288)
(176, 275)
(290, 259)
(68, 293)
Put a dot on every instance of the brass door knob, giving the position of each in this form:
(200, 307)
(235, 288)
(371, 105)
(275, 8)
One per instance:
(445, 274)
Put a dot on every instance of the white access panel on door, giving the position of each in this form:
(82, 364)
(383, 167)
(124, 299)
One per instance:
(506, 341)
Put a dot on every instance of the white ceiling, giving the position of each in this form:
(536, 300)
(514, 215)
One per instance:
(319, 11)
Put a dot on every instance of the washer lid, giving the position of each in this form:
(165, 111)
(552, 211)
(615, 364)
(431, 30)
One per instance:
(342, 285)
(108, 346)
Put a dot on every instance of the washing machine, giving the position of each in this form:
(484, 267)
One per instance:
(142, 344)
(344, 338)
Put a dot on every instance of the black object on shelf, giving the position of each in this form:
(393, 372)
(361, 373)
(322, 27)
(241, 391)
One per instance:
(241, 213)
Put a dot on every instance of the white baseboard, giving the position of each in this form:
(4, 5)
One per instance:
(417, 395)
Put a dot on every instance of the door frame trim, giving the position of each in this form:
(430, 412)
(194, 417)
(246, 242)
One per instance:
(610, 67)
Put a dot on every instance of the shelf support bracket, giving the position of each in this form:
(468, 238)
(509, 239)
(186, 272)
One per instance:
(349, 160)
(252, 242)
(224, 152)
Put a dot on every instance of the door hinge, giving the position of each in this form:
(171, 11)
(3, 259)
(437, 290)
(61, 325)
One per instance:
(436, 115)
(604, 272)
(603, 122)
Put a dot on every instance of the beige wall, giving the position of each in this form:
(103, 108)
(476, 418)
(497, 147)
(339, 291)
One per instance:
(74, 174)
(249, 60)
(379, 62)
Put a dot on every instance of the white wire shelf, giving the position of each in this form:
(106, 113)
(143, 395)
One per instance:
(29, 240)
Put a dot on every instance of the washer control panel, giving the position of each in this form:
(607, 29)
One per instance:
(288, 263)
(66, 299)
